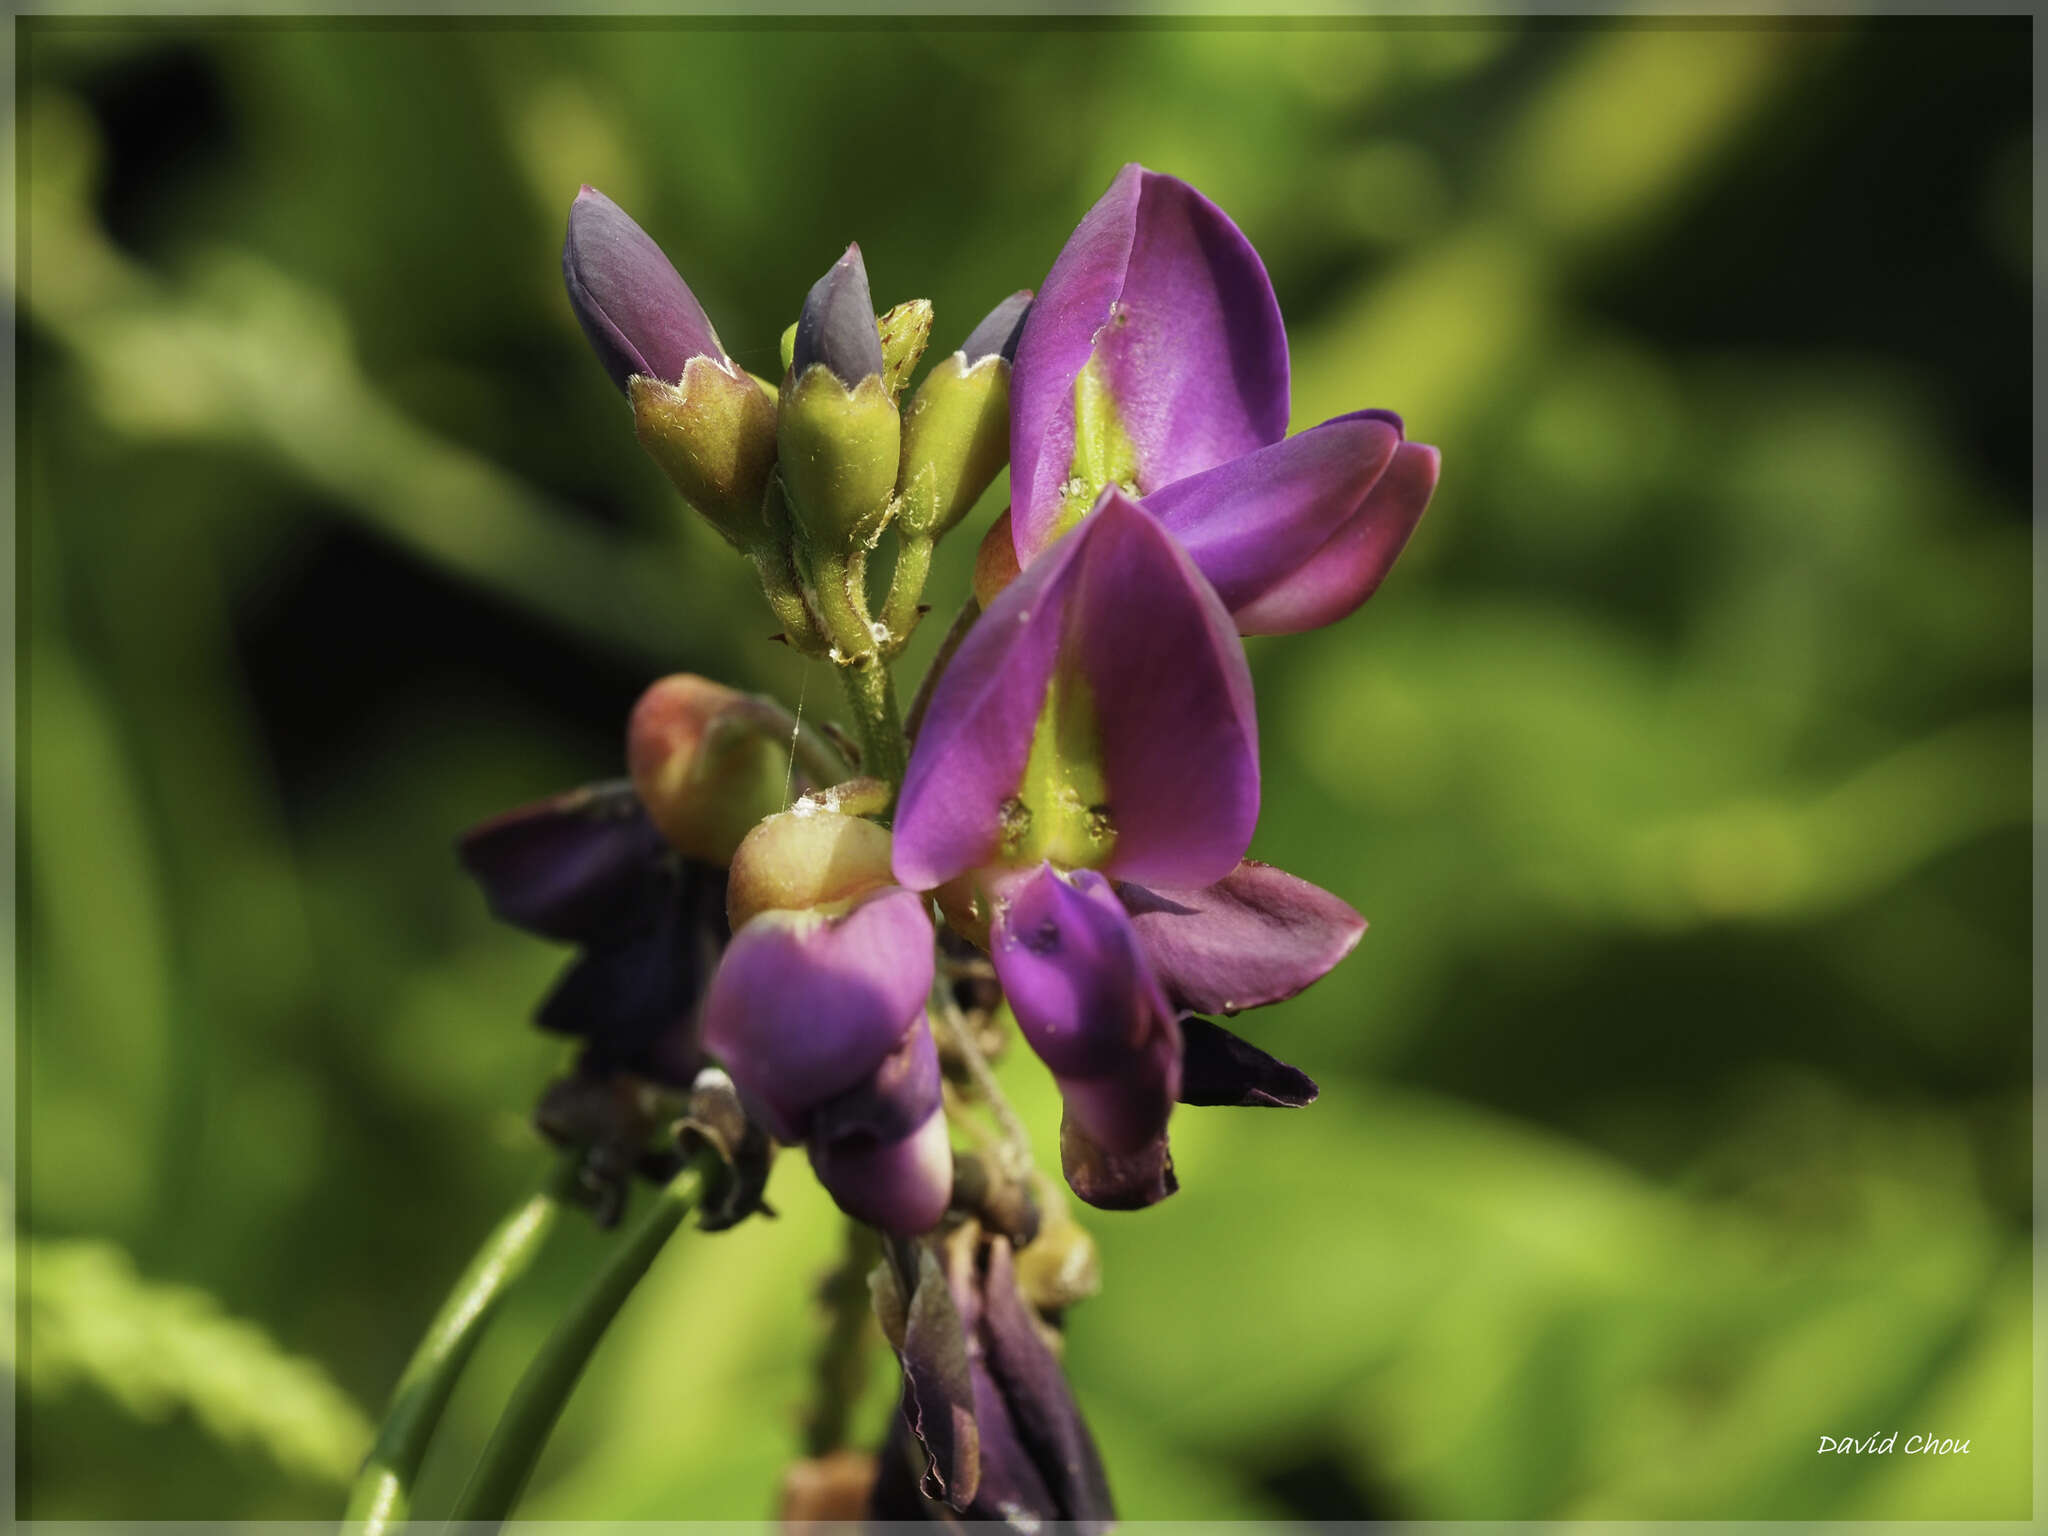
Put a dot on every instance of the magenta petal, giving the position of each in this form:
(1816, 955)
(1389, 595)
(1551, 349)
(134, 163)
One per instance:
(976, 734)
(1253, 522)
(900, 1186)
(1254, 937)
(633, 305)
(1159, 282)
(1085, 998)
(1347, 570)
(1121, 607)
(805, 1007)
(881, 1147)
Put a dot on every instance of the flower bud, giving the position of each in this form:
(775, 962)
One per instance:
(956, 432)
(838, 431)
(995, 561)
(634, 306)
(804, 859)
(714, 437)
(704, 765)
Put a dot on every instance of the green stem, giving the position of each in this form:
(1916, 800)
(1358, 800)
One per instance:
(841, 1367)
(779, 586)
(871, 693)
(537, 1402)
(381, 1497)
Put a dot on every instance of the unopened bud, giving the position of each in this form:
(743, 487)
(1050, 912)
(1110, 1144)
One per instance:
(839, 448)
(704, 765)
(803, 860)
(714, 437)
(838, 431)
(995, 561)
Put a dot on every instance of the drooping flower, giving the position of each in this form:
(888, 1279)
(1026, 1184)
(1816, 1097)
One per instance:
(1090, 752)
(589, 868)
(988, 1429)
(633, 874)
(818, 1012)
(1154, 360)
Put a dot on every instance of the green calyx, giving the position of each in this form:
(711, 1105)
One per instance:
(1061, 811)
(904, 331)
(839, 450)
(956, 438)
(1103, 451)
(714, 436)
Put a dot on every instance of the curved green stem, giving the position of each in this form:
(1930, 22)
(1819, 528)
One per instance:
(537, 1402)
(381, 1497)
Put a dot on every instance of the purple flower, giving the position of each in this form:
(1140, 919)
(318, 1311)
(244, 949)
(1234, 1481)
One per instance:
(588, 868)
(634, 306)
(819, 1015)
(1154, 360)
(988, 1426)
(1081, 795)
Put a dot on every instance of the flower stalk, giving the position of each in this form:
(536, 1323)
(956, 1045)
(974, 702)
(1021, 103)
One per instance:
(515, 1445)
(382, 1495)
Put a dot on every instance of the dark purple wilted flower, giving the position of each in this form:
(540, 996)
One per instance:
(818, 1012)
(988, 1428)
(1081, 796)
(588, 868)
(1154, 360)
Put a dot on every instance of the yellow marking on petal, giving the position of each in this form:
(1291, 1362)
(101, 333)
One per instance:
(1103, 451)
(1061, 810)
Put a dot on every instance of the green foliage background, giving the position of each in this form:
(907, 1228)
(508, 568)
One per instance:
(1675, 1108)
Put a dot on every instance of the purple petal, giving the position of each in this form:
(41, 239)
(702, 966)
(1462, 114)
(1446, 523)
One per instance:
(881, 1146)
(804, 1007)
(997, 334)
(1071, 965)
(1253, 522)
(1121, 607)
(572, 867)
(633, 995)
(1166, 293)
(1218, 1067)
(631, 302)
(1086, 1000)
(1042, 1413)
(900, 1185)
(1349, 568)
(837, 326)
(938, 1386)
(1254, 937)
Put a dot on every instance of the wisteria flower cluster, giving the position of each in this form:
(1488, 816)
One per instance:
(797, 935)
